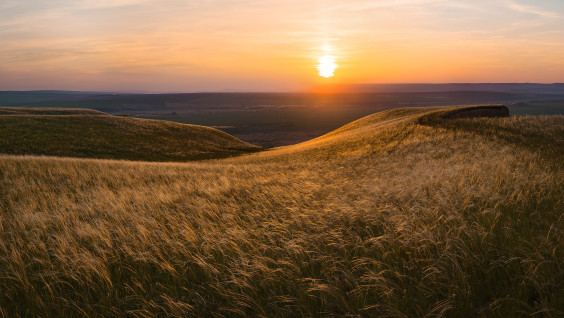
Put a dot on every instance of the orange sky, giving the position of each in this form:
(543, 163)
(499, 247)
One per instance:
(211, 45)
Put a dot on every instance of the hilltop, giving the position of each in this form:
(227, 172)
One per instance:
(93, 134)
(48, 111)
(407, 213)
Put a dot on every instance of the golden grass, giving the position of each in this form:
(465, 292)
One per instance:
(385, 217)
(92, 134)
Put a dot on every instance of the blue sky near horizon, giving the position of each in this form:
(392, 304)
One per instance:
(180, 45)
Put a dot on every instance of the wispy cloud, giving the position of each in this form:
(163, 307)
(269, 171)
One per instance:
(530, 9)
(104, 4)
(382, 4)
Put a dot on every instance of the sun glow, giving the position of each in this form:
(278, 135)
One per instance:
(327, 65)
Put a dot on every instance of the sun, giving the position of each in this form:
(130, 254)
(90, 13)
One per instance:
(327, 65)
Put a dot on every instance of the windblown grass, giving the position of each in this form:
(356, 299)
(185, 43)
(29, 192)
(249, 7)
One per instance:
(48, 111)
(93, 134)
(386, 217)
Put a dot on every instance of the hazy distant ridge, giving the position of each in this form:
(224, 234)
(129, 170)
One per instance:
(523, 88)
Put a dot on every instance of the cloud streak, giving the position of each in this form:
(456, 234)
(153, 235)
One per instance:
(529, 9)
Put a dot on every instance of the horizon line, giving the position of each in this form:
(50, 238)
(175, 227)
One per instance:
(312, 89)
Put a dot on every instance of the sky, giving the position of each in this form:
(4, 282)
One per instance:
(275, 45)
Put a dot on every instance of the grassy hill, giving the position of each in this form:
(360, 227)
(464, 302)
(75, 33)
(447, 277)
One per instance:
(48, 111)
(93, 134)
(405, 213)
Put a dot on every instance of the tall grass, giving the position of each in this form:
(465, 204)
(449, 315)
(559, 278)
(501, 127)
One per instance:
(93, 134)
(386, 217)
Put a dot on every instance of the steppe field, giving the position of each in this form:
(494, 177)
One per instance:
(412, 212)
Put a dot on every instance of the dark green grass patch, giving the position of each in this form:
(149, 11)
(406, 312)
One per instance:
(112, 137)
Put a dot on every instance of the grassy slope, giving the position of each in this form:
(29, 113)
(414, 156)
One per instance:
(87, 133)
(402, 213)
(48, 111)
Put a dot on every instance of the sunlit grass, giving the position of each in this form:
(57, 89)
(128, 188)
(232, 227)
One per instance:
(389, 216)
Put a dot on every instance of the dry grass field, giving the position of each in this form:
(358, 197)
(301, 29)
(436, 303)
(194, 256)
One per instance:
(404, 213)
(92, 134)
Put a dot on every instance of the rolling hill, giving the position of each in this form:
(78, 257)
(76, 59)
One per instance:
(94, 134)
(412, 212)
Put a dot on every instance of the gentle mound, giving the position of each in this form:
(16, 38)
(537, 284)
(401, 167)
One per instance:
(382, 130)
(488, 111)
(403, 213)
(482, 111)
(48, 111)
(92, 134)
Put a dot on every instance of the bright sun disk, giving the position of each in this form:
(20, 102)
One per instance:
(327, 65)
